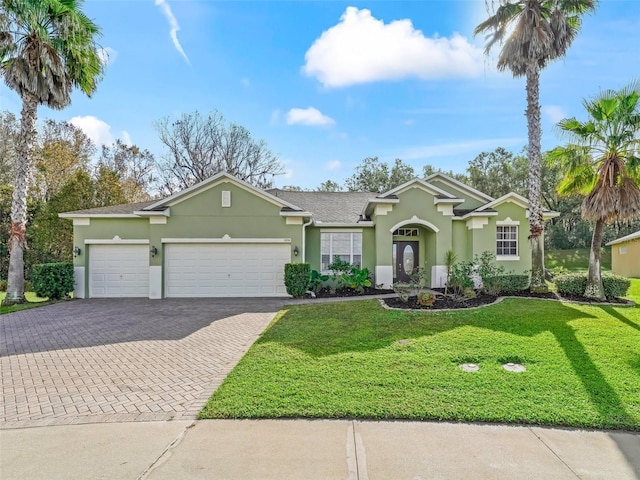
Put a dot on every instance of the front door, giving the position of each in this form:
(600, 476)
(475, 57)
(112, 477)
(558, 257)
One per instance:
(405, 260)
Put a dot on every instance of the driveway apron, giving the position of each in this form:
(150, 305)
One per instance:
(108, 360)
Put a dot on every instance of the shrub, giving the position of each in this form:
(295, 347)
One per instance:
(406, 290)
(460, 277)
(296, 278)
(357, 278)
(53, 280)
(426, 299)
(316, 279)
(576, 284)
(571, 284)
(504, 284)
(615, 286)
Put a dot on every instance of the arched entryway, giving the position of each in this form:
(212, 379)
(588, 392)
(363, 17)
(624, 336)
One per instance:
(413, 247)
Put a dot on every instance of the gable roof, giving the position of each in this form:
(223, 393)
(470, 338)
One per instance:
(436, 191)
(626, 238)
(328, 207)
(127, 209)
(477, 194)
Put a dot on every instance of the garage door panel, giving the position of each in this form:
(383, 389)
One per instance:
(237, 270)
(118, 271)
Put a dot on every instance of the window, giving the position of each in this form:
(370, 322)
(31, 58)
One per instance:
(623, 250)
(407, 232)
(343, 246)
(507, 240)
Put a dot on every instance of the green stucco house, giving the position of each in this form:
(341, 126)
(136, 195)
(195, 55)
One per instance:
(226, 238)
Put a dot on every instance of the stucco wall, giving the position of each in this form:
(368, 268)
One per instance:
(626, 264)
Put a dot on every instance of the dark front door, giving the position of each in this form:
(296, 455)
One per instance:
(405, 259)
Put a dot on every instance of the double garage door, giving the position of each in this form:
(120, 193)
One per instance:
(225, 270)
(190, 270)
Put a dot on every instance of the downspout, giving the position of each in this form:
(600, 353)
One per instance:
(304, 240)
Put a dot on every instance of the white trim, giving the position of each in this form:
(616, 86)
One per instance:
(225, 239)
(509, 197)
(438, 276)
(384, 276)
(417, 220)
(418, 183)
(383, 200)
(332, 254)
(78, 283)
(295, 214)
(294, 220)
(476, 214)
(154, 213)
(507, 221)
(382, 209)
(219, 178)
(226, 199)
(97, 215)
(477, 223)
(340, 230)
(477, 194)
(81, 222)
(115, 241)
(158, 220)
(437, 200)
(507, 258)
(626, 238)
(346, 225)
(445, 209)
(155, 282)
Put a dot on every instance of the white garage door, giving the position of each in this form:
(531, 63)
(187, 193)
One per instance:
(118, 271)
(230, 270)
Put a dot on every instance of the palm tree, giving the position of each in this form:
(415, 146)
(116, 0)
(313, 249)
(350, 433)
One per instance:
(47, 48)
(533, 33)
(602, 161)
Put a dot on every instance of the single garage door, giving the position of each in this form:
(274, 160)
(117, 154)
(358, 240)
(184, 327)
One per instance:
(225, 270)
(118, 271)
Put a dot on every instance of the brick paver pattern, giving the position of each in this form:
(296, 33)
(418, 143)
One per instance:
(87, 361)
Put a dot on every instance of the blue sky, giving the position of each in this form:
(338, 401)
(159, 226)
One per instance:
(328, 83)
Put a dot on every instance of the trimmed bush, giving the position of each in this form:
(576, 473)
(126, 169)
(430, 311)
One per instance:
(505, 284)
(576, 284)
(571, 284)
(296, 278)
(53, 280)
(615, 286)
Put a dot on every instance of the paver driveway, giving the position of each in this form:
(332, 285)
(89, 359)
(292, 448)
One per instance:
(122, 360)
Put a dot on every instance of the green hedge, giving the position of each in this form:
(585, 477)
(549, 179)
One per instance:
(53, 280)
(296, 278)
(576, 284)
(505, 284)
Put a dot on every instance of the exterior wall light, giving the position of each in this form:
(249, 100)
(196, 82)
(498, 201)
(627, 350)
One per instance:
(154, 251)
(296, 251)
(76, 251)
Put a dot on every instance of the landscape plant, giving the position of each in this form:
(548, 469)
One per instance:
(296, 278)
(357, 278)
(53, 280)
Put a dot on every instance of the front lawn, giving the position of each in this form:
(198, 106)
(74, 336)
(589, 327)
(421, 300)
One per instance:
(32, 299)
(359, 360)
(576, 259)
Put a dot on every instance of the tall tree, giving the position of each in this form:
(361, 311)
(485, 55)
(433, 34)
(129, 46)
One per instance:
(539, 31)
(375, 176)
(499, 172)
(602, 161)
(9, 128)
(199, 147)
(429, 169)
(134, 166)
(47, 48)
(329, 186)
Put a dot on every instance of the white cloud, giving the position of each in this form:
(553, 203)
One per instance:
(107, 55)
(450, 149)
(554, 113)
(126, 138)
(333, 164)
(362, 49)
(308, 116)
(94, 128)
(174, 27)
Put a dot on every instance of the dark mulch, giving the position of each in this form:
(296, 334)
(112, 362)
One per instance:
(348, 292)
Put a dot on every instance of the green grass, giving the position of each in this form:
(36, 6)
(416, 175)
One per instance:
(344, 360)
(575, 260)
(32, 298)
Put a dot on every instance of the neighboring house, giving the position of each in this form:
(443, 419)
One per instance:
(625, 255)
(224, 237)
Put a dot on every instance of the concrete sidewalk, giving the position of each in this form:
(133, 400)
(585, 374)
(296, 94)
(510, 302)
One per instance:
(321, 449)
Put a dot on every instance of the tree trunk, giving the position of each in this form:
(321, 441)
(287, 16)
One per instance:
(595, 289)
(536, 224)
(17, 240)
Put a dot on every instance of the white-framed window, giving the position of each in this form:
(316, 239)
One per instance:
(407, 232)
(623, 250)
(346, 246)
(507, 240)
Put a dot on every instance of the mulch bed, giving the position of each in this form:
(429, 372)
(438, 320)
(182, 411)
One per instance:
(348, 292)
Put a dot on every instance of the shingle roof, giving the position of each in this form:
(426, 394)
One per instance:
(124, 209)
(328, 207)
